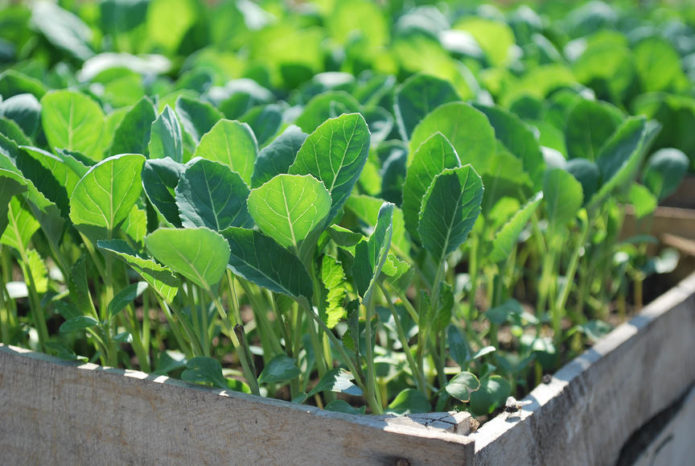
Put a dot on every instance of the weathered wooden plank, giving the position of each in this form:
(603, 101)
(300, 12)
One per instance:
(53, 412)
(594, 403)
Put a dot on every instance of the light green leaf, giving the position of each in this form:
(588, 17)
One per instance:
(21, 225)
(264, 262)
(65, 175)
(563, 197)
(38, 270)
(589, 125)
(370, 255)
(107, 192)
(289, 207)
(335, 284)
(449, 210)
(166, 139)
(230, 143)
(133, 133)
(366, 209)
(72, 121)
(62, 29)
(199, 254)
(324, 106)
(506, 237)
(335, 154)
(642, 200)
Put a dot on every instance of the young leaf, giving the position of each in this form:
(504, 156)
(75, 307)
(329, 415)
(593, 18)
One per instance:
(370, 255)
(462, 386)
(467, 129)
(458, 348)
(133, 133)
(335, 154)
(264, 262)
(280, 369)
(107, 192)
(277, 157)
(289, 207)
(642, 200)
(367, 209)
(410, 401)
(589, 125)
(21, 224)
(664, 171)
(126, 296)
(265, 121)
(160, 278)
(433, 156)
(417, 97)
(72, 121)
(492, 394)
(199, 254)
(77, 323)
(165, 136)
(202, 369)
(563, 197)
(197, 117)
(230, 143)
(159, 180)
(449, 210)
(209, 194)
(506, 237)
(335, 284)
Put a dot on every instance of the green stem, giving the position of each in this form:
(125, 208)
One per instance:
(372, 392)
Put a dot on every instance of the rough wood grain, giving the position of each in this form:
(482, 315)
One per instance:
(594, 403)
(53, 412)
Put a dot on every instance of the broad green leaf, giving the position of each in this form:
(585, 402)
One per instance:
(393, 170)
(197, 117)
(336, 380)
(507, 236)
(126, 296)
(370, 255)
(37, 268)
(133, 133)
(210, 194)
(264, 262)
(230, 143)
(417, 97)
(160, 278)
(11, 184)
(199, 254)
(72, 121)
(21, 225)
(265, 121)
(165, 136)
(159, 180)
(106, 194)
(658, 64)
(458, 348)
(494, 37)
(277, 157)
(77, 323)
(642, 200)
(169, 20)
(410, 401)
(280, 369)
(202, 369)
(462, 386)
(449, 210)
(664, 172)
(335, 154)
(135, 224)
(324, 106)
(586, 172)
(467, 129)
(65, 175)
(24, 110)
(77, 162)
(12, 83)
(63, 29)
(492, 394)
(433, 156)
(589, 125)
(335, 285)
(11, 130)
(563, 197)
(289, 207)
(367, 209)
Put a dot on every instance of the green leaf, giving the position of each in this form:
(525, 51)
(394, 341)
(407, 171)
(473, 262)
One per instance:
(563, 197)
(417, 97)
(199, 254)
(277, 157)
(336, 380)
(197, 117)
(588, 175)
(165, 136)
(335, 284)
(126, 296)
(458, 348)
(492, 394)
(335, 154)
(366, 209)
(495, 38)
(24, 110)
(77, 323)
(280, 369)
(21, 225)
(265, 121)
(64, 175)
(106, 194)
(658, 64)
(12, 83)
(264, 262)
(159, 180)
(664, 172)
(433, 156)
(11, 184)
(205, 370)
(589, 125)
(506, 237)
(642, 200)
(449, 210)
(462, 386)
(467, 129)
(133, 133)
(289, 207)
(370, 255)
(210, 194)
(169, 20)
(63, 29)
(342, 406)
(72, 121)
(160, 278)
(230, 143)
(38, 270)
(410, 401)
(10, 129)
(324, 106)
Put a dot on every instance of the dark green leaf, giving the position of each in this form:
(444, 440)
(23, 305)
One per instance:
(417, 97)
(462, 386)
(563, 197)
(277, 157)
(159, 179)
(492, 394)
(197, 117)
(664, 171)
(126, 296)
(204, 370)
(280, 369)
(165, 136)
(133, 134)
(77, 323)
(370, 255)
(230, 143)
(410, 401)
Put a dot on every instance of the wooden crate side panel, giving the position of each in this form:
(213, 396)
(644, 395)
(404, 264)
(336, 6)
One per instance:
(593, 405)
(56, 413)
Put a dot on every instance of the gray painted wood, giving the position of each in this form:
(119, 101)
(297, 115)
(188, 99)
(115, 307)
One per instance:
(593, 404)
(54, 412)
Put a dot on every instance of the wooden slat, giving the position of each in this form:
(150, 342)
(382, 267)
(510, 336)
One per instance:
(593, 404)
(54, 412)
